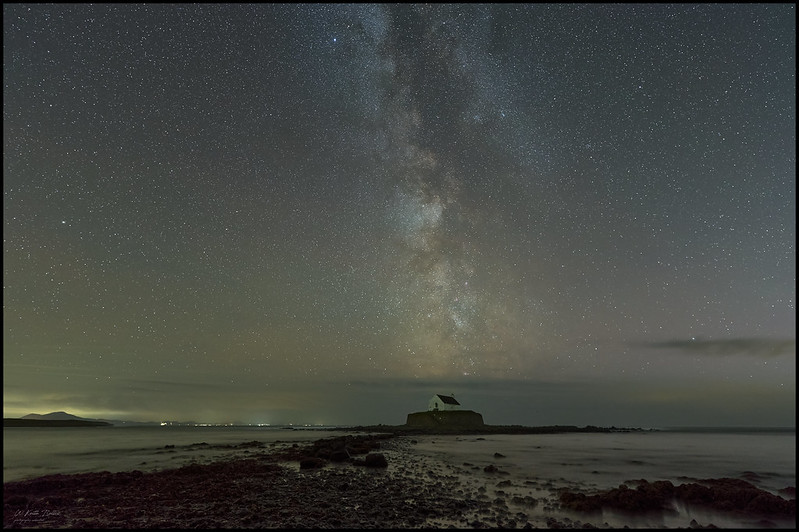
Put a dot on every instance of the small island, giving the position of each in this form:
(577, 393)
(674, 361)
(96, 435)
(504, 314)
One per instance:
(445, 416)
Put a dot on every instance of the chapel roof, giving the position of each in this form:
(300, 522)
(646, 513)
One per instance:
(447, 399)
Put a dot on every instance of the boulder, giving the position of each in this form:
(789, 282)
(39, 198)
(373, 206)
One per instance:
(311, 462)
(375, 460)
(340, 455)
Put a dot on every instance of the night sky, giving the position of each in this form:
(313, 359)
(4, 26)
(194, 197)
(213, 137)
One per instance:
(561, 213)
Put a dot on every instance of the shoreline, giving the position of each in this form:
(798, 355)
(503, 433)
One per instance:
(358, 481)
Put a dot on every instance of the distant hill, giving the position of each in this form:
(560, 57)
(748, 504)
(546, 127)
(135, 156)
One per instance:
(22, 422)
(64, 416)
(56, 416)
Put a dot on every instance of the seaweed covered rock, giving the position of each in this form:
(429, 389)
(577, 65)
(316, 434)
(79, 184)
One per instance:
(724, 494)
(375, 460)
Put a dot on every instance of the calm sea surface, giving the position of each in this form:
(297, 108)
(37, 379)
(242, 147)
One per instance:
(34, 452)
(540, 463)
(608, 459)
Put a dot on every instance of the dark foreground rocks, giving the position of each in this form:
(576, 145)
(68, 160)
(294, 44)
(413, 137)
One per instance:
(369, 481)
(264, 491)
(249, 493)
(726, 495)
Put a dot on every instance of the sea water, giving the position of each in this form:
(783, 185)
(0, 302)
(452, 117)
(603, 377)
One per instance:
(537, 465)
(605, 460)
(30, 452)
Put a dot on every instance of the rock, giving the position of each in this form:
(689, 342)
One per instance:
(357, 449)
(375, 460)
(324, 453)
(527, 500)
(340, 455)
(727, 495)
(312, 462)
(16, 500)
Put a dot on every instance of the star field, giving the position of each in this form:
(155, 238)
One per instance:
(239, 212)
